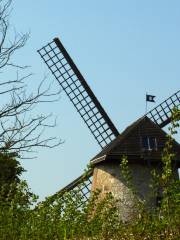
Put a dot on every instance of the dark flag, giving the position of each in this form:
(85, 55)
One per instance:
(150, 98)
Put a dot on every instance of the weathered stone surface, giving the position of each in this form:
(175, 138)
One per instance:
(108, 178)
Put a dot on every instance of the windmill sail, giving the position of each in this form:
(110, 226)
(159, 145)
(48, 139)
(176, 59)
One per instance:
(80, 186)
(73, 83)
(161, 114)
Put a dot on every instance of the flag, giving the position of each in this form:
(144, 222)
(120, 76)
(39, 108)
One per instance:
(150, 98)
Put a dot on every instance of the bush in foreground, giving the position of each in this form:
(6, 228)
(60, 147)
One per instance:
(69, 217)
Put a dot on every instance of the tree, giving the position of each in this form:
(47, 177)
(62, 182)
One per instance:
(20, 131)
(10, 170)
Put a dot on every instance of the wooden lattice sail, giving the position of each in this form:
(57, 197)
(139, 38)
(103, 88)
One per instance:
(161, 114)
(80, 94)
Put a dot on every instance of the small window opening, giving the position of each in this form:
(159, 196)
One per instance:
(149, 143)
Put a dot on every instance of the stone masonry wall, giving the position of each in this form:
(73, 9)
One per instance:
(107, 178)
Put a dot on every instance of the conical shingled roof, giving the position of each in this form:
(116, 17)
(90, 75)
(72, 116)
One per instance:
(130, 142)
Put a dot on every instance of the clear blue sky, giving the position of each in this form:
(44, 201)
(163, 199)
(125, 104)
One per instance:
(123, 48)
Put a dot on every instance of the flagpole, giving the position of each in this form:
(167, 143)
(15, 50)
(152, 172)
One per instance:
(149, 98)
(146, 104)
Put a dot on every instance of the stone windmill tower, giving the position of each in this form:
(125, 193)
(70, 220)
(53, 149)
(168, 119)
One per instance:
(142, 142)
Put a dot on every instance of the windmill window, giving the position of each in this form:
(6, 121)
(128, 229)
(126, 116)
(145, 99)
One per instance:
(149, 143)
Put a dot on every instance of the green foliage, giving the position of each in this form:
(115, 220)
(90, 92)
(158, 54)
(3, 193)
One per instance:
(10, 169)
(10, 172)
(67, 216)
(125, 171)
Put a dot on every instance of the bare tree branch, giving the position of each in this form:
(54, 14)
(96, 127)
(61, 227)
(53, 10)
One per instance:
(20, 130)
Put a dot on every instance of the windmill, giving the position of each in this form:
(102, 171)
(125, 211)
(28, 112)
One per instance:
(87, 105)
